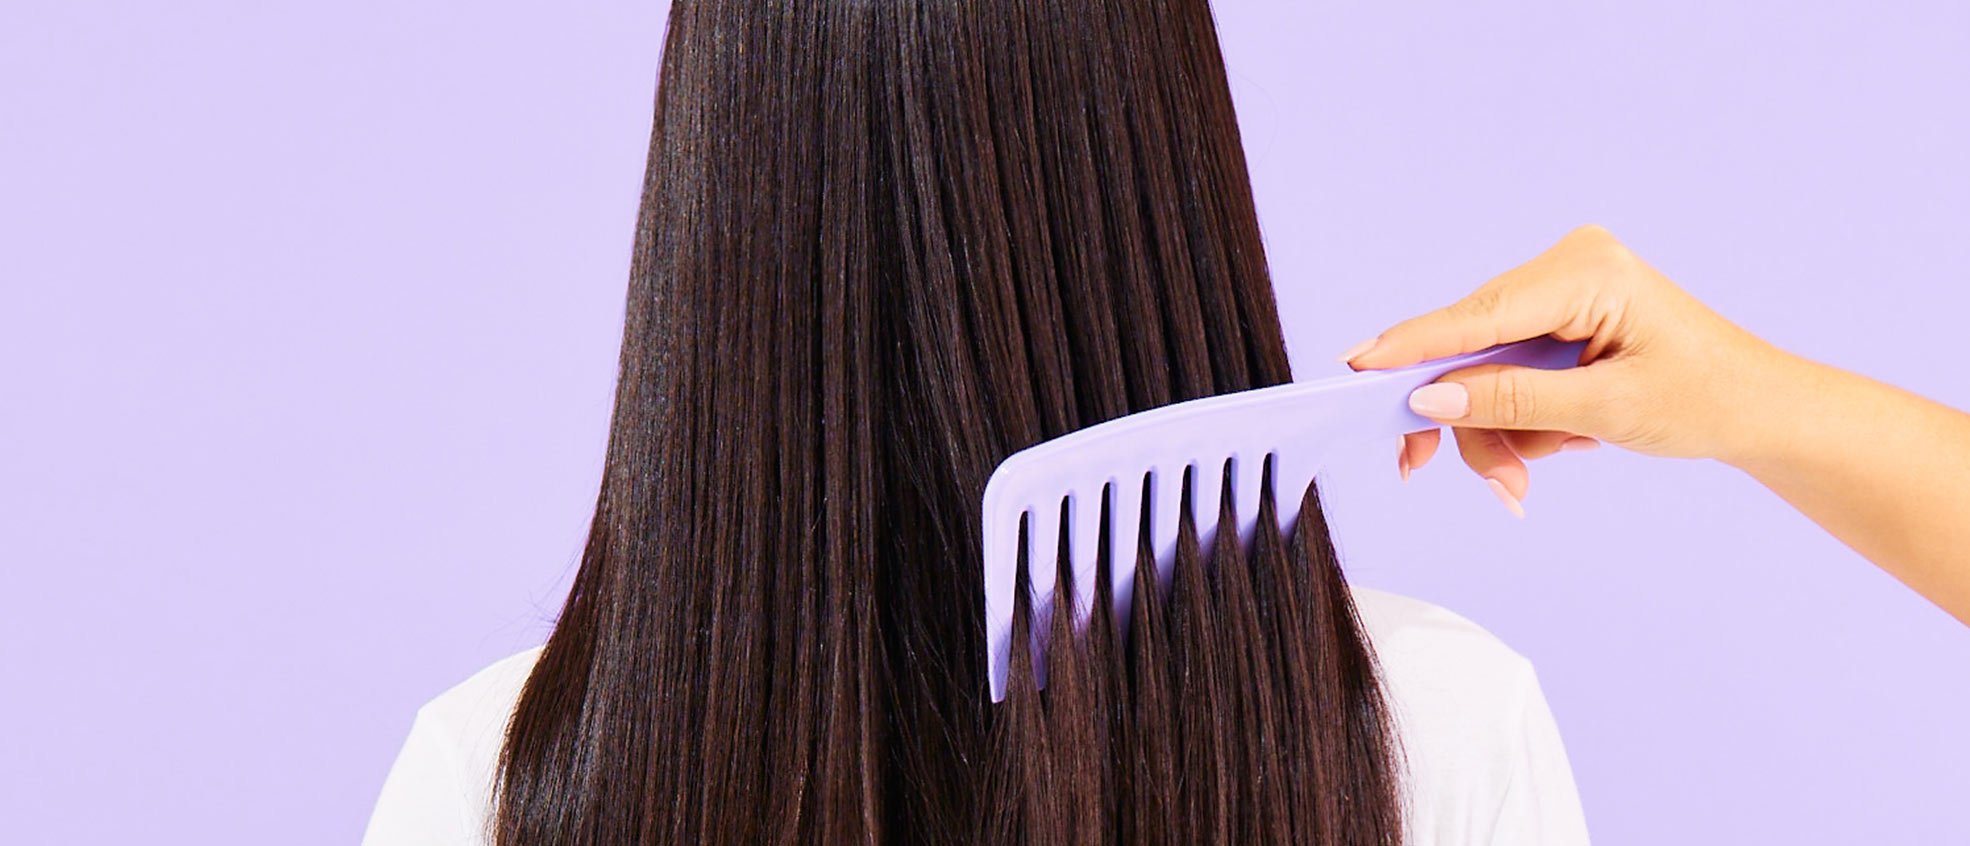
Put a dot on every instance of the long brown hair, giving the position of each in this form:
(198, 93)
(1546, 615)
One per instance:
(884, 244)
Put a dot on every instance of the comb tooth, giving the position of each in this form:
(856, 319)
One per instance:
(1001, 556)
(1165, 516)
(1124, 533)
(1084, 539)
(1248, 486)
(1207, 493)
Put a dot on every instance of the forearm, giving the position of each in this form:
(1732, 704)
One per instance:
(1884, 470)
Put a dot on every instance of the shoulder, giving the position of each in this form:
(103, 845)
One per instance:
(1451, 678)
(470, 717)
(486, 696)
(1442, 671)
(439, 790)
(1465, 705)
(1425, 642)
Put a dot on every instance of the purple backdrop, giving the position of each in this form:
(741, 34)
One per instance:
(311, 317)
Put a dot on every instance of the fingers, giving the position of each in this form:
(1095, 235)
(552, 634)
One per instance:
(1503, 396)
(1554, 293)
(1415, 450)
(1539, 444)
(1512, 307)
(1497, 455)
(1486, 451)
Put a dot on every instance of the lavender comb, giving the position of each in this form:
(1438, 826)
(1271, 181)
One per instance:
(1297, 424)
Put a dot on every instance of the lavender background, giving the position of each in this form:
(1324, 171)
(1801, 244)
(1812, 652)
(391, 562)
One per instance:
(311, 314)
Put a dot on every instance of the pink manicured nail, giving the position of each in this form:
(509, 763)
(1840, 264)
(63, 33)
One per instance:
(1358, 349)
(1402, 457)
(1441, 400)
(1511, 502)
(1579, 444)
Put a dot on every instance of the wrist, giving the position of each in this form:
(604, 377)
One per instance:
(1772, 423)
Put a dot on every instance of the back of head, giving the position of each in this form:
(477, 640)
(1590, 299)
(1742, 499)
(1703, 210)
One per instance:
(884, 244)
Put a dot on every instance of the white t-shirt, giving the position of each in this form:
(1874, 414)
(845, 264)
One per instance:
(1484, 760)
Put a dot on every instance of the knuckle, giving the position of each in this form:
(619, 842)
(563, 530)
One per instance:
(1617, 256)
(1596, 240)
(1481, 302)
(1602, 256)
(1511, 398)
(1590, 232)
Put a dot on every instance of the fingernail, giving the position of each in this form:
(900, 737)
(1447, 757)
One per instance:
(1579, 444)
(1442, 400)
(1510, 501)
(1358, 349)
(1402, 457)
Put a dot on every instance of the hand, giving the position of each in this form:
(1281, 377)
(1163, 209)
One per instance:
(1662, 374)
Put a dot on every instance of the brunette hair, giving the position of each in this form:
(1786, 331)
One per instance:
(884, 244)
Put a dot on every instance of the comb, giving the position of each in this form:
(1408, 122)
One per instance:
(1140, 461)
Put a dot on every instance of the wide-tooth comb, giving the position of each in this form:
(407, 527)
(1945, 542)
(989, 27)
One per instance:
(1295, 424)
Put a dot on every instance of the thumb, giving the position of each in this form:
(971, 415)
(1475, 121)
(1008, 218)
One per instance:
(1505, 396)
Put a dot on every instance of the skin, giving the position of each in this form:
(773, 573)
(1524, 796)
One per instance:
(1884, 470)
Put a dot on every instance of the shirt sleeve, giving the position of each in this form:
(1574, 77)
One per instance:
(1540, 805)
(423, 801)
